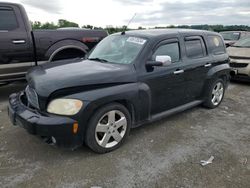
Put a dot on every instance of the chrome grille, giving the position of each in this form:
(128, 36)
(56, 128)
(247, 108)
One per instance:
(32, 97)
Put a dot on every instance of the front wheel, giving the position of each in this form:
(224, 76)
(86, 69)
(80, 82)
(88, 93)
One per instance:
(215, 95)
(108, 128)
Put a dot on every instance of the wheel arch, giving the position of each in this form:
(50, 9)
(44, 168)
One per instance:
(217, 72)
(65, 45)
(130, 107)
(127, 103)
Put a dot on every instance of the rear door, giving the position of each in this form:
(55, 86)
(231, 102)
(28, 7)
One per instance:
(198, 63)
(16, 51)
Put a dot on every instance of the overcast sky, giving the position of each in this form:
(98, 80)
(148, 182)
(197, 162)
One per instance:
(149, 12)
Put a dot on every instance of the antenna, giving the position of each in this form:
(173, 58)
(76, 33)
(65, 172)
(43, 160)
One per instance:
(123, 33)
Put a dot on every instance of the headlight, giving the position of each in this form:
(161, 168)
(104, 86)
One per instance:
(65, 106)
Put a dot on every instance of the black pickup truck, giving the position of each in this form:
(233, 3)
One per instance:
(22, 48)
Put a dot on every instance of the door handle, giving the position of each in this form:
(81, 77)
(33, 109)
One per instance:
(179, 72)
(18, 41)
(208, 65)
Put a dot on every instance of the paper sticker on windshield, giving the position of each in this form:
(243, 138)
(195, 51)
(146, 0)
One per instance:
(136, 40)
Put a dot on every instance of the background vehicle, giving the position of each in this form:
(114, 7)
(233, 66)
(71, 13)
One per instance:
(230, 37)
(239, 54)
(129, 79)
(21, 48)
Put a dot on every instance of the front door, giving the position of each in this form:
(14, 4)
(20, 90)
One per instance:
(167, 84)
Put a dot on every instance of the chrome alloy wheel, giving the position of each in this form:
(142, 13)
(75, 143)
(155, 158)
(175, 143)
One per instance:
(217, 93)
(111, 129)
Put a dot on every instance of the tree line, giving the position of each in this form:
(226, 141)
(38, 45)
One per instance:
(65, 23)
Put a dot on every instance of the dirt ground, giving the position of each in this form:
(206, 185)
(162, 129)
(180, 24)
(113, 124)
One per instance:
(162, 154)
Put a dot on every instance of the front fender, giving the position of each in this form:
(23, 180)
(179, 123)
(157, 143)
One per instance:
(135, 94)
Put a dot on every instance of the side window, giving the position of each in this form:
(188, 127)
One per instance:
(171, 49)
(195, 47)
(7, 19)
(216, 44)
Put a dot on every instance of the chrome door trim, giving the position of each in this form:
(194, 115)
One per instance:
(18, 41)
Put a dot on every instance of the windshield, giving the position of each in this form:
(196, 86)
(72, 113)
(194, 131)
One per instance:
(243, 43)
(230, 35)
(119, 49)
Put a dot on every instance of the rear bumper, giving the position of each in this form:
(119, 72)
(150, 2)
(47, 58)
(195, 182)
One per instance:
(61, 128)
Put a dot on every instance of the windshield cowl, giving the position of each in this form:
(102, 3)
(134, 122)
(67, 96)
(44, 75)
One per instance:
(98, 59)
(241, 46)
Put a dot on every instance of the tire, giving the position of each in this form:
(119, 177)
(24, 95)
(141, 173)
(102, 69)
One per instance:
(108, 128)
(215, 93)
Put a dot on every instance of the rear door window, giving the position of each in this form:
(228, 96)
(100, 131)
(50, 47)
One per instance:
(195, 47)
(7, 19)
(216, 44)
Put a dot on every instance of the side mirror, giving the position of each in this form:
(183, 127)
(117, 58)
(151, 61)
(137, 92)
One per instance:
(164, 59)
(151, 64)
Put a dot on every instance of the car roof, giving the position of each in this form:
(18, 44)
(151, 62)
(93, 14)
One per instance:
(235, 32)
(151, 33)
(9, 3)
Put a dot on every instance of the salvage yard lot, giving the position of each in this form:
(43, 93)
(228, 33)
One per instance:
(163, 154)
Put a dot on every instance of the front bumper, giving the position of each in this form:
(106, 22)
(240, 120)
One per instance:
(241, 67)
(58, 127)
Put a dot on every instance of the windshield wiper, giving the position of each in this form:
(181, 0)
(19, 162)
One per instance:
(98, 59)
(238, 46)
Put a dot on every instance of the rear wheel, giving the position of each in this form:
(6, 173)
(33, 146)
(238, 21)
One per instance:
(108, 128)
(215, 95)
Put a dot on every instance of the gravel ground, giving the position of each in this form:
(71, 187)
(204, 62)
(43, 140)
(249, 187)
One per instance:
(163, 154)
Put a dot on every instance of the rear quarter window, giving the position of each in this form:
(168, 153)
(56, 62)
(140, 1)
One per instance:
(216, 45)
(7, 19)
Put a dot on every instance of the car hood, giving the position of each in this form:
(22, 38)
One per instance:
(46, 79)
(238, 52)
(229, 41)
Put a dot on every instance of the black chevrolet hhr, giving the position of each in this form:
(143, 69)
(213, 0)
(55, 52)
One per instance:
(129, 79)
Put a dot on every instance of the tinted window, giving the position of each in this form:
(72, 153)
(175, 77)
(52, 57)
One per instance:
(7, 19)
(230, 35)
(195, 47)
(171, 49)
(245, 42)
(216, 44)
